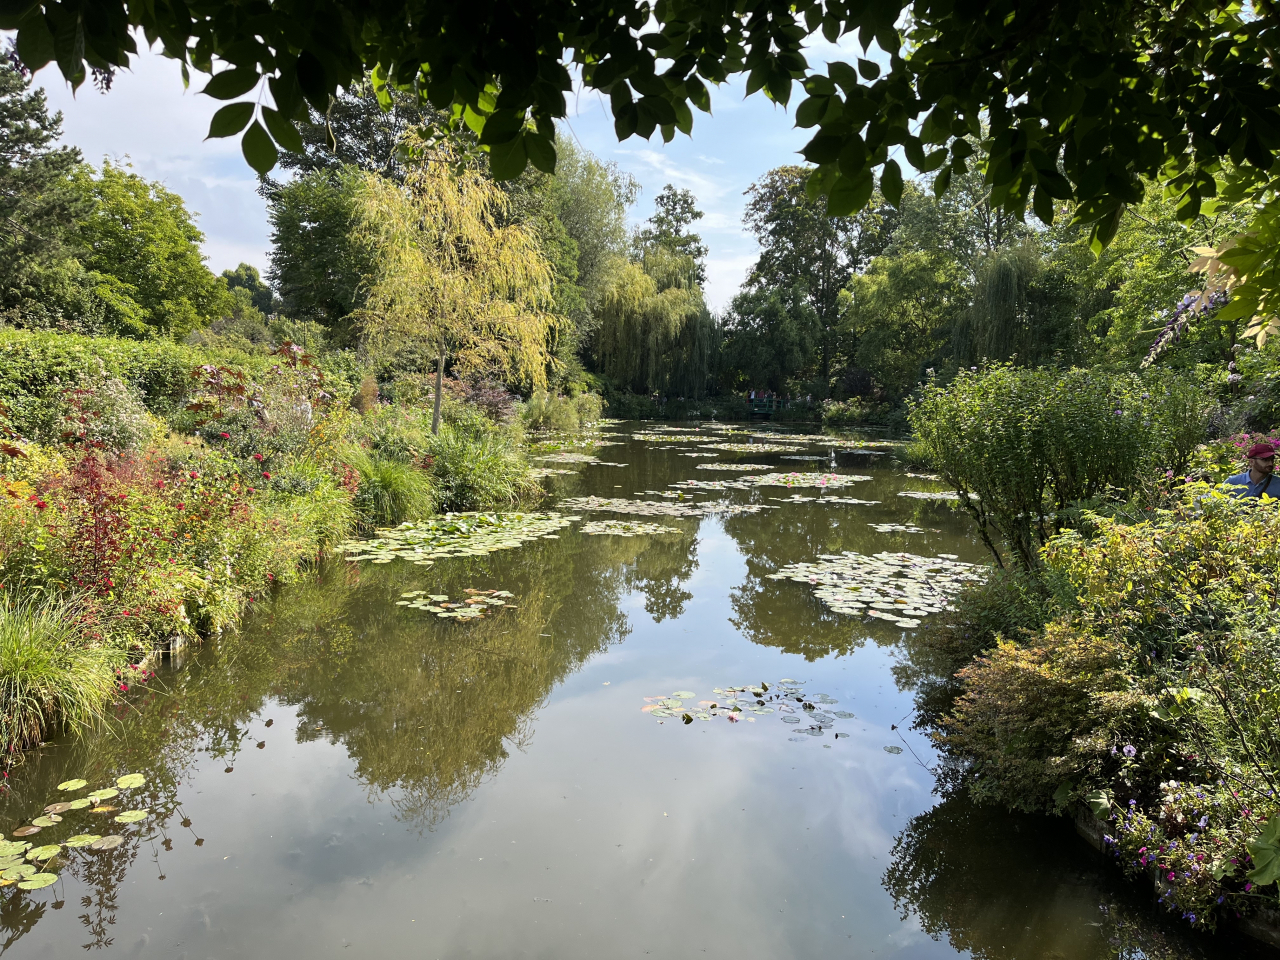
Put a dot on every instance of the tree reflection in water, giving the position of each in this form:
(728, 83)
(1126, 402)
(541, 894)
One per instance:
(426, 708)
(1015, 887)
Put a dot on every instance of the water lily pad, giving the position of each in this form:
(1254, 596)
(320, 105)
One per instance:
(47, 852)
(80, 804)
(26, 831)
(20, 871)
(844, 715)
(790, 719)
(684, 694)
(72, 784)
(893, 748)
(132, 816)
(13, 848)
(107, 843)
(839, 735)
(38, 881)
(60, 807)
(131, 780)
(82, 839)
(44, 821)
(105, 794)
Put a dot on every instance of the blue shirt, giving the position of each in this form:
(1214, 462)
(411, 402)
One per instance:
(1244, 487)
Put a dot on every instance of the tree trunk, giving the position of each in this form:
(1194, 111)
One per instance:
(435, 413)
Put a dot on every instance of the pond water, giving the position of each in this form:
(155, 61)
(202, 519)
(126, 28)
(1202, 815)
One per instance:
(350, 777)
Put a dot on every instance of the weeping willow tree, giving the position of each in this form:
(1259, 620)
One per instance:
(449, 274)
(999, 323)
(656, 333)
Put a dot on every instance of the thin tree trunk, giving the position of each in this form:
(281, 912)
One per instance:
(435, 413)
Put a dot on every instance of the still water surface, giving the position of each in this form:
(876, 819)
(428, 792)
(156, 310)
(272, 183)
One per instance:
(348, 778)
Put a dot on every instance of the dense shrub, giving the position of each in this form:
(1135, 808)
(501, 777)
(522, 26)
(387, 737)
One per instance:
(390, 491)
(1154, 698)
(1023, 446)
(545, 411)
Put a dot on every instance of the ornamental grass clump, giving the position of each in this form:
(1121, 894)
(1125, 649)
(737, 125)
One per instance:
(479, 471)
(50, 677)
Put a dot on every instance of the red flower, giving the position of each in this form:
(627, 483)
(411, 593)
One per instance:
(40, 505)
(194, 475)
(225, 436)
(251, 490)
(258, 457)
(124, 686)
(266, 475)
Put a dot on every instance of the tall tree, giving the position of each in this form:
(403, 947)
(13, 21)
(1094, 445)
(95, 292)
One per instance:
(802, 247)
(675, 211)
(246, 277)
(317, 268)
(771, 339)
(38, 201)
(447, 274)
(142, 235)
(656, 334)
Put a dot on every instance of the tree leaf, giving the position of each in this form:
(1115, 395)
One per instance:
(541, 151)
(891, 182)
(35, 41)
(230, 84)
(258, 148)
(283, 130)
(230, 120)
(507, 160)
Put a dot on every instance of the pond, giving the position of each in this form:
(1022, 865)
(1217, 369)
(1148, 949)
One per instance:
(353, 774)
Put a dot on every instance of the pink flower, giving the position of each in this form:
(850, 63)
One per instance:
(225, 436)
(194, 475)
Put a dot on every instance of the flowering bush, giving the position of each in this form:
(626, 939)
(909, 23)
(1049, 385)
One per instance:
(1153, 696)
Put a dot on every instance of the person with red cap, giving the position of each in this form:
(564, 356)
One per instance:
(1256, 481)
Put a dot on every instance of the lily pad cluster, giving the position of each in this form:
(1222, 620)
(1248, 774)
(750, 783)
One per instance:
(568, 457)
(896, 528)
(537, 473)
(699, 455)
(739, 467)
(924, 476)
(848, 501)
(455, 535)
(809, 715)
(653, 508)
(754, 447)
(669, 437)
(929, 494)
(898, 587)
(30, 866)
(474, 606)
(623, 528)
(822, 480)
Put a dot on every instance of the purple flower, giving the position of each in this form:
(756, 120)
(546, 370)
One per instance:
(1204, 822)
(1130, 750)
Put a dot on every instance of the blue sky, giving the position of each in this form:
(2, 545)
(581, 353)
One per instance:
(150, 121)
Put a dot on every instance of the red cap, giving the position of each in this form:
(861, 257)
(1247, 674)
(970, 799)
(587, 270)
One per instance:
(1261, 450)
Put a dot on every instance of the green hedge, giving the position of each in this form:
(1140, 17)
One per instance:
(37, 365)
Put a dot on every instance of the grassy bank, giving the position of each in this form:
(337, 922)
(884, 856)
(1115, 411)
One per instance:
(153, 491)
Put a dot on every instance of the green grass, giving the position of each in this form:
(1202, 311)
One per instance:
(391, 491)
(49, 677)
(479, 472)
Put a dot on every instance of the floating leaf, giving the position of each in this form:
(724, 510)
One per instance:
(72, 784)
(13, 848)
(44, 821)
(61, 807)
(38, 881)
(684, 694)
(107, 843)
(19, 871)
(105, 794)
(82, 839)
(80, 804)
(26, 831)
(687, 719)
(131, 780)
(47, 852)
(844, 715)
(132, 816)
(839, 735)
(893, 748)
